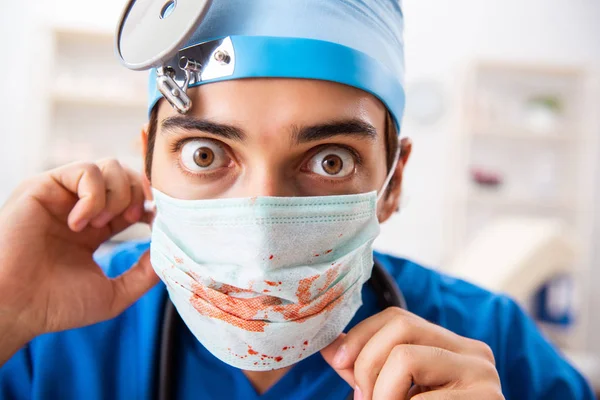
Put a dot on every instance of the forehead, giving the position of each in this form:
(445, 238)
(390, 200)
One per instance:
(262, 103)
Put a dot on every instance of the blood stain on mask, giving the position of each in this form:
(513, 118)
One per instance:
(229, 289)
(305, 308)
(244, 308)
(211, 311)
(234, 311)
(303, 291)
(254, 353)
(216, 301)
(331, 274)
(271, 257)
(178, 260)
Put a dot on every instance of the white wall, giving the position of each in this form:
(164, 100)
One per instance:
(24, 40)
(442, 39)
(14, 92)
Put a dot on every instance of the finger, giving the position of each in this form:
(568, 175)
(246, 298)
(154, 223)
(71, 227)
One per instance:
(415, 390)
(427, 366)
(403, 330)
(356, 339)
(118, 192)
(85, 181)
(329, 353)
(421, 365)
(132, 285)
(135, 210)
(488, 393)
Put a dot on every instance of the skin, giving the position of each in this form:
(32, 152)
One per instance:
(49, 282)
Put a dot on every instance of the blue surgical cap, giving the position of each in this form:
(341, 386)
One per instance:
(354, 42)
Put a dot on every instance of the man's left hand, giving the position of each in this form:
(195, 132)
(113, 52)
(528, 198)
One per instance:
(398, 355)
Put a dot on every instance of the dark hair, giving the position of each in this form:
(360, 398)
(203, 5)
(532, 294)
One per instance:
(391, 140)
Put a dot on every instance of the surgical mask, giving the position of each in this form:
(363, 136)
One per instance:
(265, 282)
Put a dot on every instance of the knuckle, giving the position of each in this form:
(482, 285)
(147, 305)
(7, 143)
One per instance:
(493, 392)
(438, 352)
(90, 168)
(403, 354)
(395, 312)
(109, 163)
(405, 330)
(365, 367)
(488, 371)
(485, 351)
(400, 318)
(29, 184)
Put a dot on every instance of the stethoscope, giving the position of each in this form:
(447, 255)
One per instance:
(388, 295)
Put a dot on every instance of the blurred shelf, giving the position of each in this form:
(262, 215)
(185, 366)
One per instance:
(499, 201)
(94, 98)
(83, 34)
(83, 31)
(504, 67)
(520, 134)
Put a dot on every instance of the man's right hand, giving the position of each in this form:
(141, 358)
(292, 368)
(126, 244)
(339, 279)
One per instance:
(49, 230)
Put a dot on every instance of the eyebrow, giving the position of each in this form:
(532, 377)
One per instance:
(196, 124)
(353, 127)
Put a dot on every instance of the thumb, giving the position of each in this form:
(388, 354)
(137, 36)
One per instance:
(329, 354)
(133, 284)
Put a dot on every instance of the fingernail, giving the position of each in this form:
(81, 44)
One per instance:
(133, 213)
(357, 394)
(102, 219)
(79, 226)
(340, 356)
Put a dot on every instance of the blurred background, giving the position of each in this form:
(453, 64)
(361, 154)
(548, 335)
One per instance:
(503, 107)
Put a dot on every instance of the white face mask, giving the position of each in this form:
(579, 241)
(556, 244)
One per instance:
(265, 282)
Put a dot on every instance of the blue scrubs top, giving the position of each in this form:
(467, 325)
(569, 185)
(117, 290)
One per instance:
(116, 359)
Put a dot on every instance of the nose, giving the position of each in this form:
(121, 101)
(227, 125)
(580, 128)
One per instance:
(267, 181)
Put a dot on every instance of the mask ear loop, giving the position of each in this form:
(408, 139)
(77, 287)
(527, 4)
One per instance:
(390, 175)
(149, 206)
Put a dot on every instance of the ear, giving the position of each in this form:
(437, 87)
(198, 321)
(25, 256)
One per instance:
(145, 179)
(390, 202)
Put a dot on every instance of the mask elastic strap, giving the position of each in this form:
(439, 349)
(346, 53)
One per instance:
(390, 175)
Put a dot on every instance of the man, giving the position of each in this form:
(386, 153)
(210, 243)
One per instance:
(268, 192)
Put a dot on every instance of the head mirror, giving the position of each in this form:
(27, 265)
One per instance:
(150, 32)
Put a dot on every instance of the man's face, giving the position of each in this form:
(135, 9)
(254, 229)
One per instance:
(271, 137)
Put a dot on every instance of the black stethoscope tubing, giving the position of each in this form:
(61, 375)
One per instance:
(388, 295)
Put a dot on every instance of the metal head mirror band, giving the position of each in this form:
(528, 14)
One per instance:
(169, 24)
(194, 64)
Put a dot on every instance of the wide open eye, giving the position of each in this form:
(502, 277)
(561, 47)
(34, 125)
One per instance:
(203, 155)
(333, 161)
